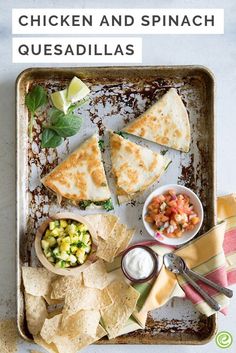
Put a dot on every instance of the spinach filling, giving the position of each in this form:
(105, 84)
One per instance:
(122, 134)
(107, 205)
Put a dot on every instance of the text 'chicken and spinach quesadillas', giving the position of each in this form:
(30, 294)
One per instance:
(166, 122)
(134, 167)
(81, 178)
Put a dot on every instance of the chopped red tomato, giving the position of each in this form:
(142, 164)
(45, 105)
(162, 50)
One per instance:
(171, 214)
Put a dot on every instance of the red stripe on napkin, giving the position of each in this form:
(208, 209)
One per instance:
(229, 244)
(218, 276)
(231, 276)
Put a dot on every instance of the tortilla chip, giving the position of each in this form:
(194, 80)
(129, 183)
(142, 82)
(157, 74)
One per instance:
(67, 345)
(107, 250)
(84, 298)
(50, 348)
(102, 224)
(85, 322)
(63, 284)
(36, 313)
(54, 312)
(124, 298)
(126, 240)
(37, 280)
(52, 301)
(51, 328)
(96, 276)
(100, 333)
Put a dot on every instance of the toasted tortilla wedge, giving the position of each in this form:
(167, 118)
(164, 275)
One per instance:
(36, 313)
(80, 177)
(103, 224)
(166, 122)
(125, 298)
(134, 167)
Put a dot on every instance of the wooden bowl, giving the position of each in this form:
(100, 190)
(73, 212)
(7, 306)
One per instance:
(71, 271)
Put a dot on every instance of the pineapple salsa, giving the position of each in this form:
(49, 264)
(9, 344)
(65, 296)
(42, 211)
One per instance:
(66, 243)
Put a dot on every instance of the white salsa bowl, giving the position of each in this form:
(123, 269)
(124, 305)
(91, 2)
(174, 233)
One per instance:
(187, 235)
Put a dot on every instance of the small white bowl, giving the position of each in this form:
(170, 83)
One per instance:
(187, 235)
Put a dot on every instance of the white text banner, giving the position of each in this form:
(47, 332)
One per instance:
(115, 50)
(117, 21)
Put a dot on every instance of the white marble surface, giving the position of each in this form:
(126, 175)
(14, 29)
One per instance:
(216, 52)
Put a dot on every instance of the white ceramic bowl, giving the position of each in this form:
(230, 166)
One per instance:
(187, 235)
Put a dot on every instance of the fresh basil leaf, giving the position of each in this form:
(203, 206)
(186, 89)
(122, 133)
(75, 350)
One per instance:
(54, 114)
(67, 125)
(50, 139)
(36, 98)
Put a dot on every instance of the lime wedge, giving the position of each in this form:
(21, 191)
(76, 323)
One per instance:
(60, 101)
(77, 90)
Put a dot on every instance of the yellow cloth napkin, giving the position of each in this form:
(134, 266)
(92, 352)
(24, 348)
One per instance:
(213, 255)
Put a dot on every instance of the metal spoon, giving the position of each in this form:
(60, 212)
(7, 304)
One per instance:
(179, 262)
(177, 265)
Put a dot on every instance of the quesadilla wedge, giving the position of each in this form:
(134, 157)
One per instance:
(134, 167)
(166, 123)
(81, 178)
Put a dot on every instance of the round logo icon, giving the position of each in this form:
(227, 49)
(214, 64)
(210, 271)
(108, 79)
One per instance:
(224, 339)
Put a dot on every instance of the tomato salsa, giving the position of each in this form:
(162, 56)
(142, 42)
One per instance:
(171, 214)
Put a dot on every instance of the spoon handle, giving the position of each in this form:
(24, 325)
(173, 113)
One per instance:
(226, 291)
(210, 301)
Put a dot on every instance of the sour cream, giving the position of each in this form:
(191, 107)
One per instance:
(138, 263)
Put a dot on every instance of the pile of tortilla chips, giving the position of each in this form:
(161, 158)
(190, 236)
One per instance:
(112, 237)
(89, 306)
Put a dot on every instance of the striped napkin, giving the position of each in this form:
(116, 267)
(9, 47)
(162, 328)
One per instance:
(212, 255)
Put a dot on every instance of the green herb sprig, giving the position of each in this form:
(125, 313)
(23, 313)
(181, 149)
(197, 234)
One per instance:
(50, 138)
(34, 100)
(60, 126)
